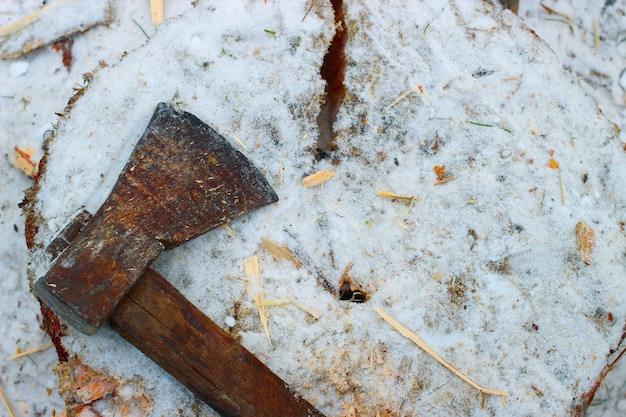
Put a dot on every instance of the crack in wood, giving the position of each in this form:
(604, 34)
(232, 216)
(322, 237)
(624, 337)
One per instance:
(333, 72)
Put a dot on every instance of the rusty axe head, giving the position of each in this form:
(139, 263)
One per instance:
(183, 179)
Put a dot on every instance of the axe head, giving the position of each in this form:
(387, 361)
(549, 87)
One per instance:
(182, 180)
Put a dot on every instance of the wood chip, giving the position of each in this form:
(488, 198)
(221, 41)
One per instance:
(23, 160)
(586, 241)
(440, 171)
(156, 11)
(419, 342)
(318, 178)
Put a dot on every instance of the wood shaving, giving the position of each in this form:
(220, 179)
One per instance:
(156, 11)
(320, 177)
(23, 160)
(280, 252)
(253, 272)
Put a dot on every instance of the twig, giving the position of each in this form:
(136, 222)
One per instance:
(419, 342)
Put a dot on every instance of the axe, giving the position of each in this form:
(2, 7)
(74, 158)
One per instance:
(182, 180)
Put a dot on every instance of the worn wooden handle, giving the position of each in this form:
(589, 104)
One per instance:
(165, 326)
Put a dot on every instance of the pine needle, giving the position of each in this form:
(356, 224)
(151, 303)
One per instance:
(6, 402)
(30, 351)
(419, 342)
(253, 272)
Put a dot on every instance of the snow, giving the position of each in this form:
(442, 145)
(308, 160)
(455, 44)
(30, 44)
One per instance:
(52, 21)
(18, 68)
(485, 267)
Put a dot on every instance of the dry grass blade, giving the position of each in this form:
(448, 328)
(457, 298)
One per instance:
(31, 351)
(419, 342)
(6, 402)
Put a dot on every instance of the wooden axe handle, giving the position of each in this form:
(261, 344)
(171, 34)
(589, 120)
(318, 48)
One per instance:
(169, 329)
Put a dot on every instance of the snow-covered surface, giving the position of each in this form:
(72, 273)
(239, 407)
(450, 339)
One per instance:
(55, 20)
(484, 267)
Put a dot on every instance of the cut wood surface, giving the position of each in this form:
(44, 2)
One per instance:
(486, 267)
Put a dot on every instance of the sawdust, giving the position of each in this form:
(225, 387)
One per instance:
(87, 390)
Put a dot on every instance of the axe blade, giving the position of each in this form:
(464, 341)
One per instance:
(182, 180)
